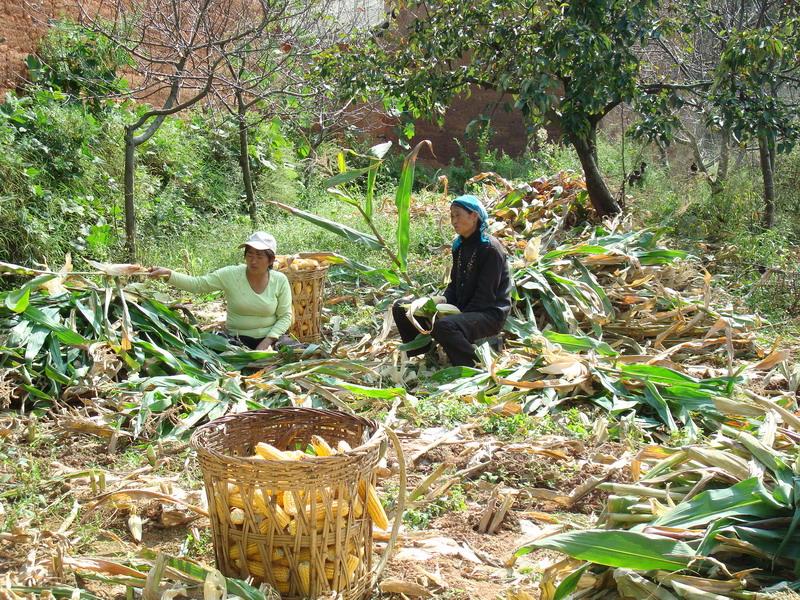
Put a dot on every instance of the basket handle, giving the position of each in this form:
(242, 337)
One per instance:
(401, 506)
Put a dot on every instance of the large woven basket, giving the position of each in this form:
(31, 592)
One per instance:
(332, 547)
(307, 289)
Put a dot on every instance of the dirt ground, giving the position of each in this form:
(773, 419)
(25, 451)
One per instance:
(446, 555)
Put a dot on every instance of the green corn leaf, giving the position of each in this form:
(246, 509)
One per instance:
(746, 498)
(370, 193)
(36, 340)
(403, 203)
(346, 177)
(580, 249)
(789, 535)
(773, 542)
(589, 279)
(660, 257)
(67, 593)
(579, 343)
(370, 392)
(418, 342)
(343, 230)
(657, 375)
(656, 400)
(570, 582)
(616, 548)
(67, 336)
(18, 300)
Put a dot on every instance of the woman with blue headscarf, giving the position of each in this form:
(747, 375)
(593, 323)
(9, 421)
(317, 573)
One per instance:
(480, 286)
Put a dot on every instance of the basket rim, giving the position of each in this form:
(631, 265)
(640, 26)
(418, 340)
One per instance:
(198, 442)
(319, 272)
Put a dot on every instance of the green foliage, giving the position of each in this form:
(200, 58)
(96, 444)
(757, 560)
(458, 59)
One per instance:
(444, 411)
(60, 171)
(754, 64)
(80, 63)
(453, 501)
(522, 426)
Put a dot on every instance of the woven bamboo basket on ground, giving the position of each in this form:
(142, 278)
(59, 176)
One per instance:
(307, 288)
(325, 546)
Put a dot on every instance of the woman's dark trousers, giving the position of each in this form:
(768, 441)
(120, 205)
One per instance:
(456, 333)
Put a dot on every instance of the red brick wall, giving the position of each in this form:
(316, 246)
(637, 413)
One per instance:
(22, 24)
(508, 127)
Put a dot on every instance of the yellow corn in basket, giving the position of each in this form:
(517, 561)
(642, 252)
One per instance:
(307, 286)
(299, 525)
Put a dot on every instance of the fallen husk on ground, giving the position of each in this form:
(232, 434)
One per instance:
(607, 318)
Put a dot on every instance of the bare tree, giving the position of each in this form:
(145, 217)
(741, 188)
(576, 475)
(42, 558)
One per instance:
(275, 76)
(179, 49)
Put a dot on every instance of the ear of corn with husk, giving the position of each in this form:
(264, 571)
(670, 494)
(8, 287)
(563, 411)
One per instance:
(294, 512)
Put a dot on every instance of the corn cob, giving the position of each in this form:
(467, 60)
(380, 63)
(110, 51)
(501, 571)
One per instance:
(269, 452)
(236, 553)
(343, 447)
(304, 575)
(334, 508)
(374, 507)
(237, 516)
(303, 554)
(351, 565)
(235, 500)
(358, 507)
(280, 519)
(321, 447)
(279, 573)
(289, 502)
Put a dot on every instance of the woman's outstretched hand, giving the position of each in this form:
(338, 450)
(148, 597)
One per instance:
(265, 344)
(159, 273)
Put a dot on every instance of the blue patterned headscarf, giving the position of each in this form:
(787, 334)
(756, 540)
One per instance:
(472, 204)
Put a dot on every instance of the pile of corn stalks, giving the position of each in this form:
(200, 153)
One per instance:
(616, 319)
(712, 520)
(115, 361)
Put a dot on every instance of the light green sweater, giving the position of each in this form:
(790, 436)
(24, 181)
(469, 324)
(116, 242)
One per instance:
(268, 314)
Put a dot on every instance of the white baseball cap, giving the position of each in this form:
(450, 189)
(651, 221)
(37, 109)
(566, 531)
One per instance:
(261, 240)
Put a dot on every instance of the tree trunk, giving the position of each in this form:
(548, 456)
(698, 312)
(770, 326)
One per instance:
(244, 162)
(599, 194)
(767, 172)
(130, 215)
(724, 158)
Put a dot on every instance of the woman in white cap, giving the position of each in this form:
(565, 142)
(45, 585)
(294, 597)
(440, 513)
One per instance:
(259, 299)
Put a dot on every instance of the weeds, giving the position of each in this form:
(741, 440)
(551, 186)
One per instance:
(454, 501)
(447, 411)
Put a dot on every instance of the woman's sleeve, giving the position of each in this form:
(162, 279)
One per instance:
(450, 290)
(198, 285)
(283, 312)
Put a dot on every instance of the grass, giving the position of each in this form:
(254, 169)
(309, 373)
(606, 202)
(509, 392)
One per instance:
(444, 411)
(521, 426)
(454, 501)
